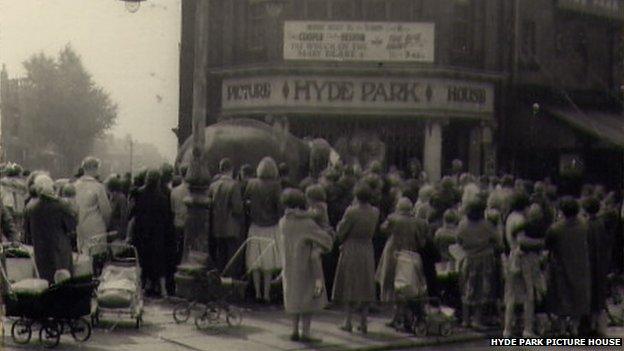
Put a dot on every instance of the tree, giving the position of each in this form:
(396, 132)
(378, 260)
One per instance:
(64, 109)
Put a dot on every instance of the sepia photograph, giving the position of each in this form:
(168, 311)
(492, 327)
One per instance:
(257, 175)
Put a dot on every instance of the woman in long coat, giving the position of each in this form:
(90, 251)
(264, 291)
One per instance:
(406, 233)
(262, 196)
(478, 239)
(569, 285)
(354, 283)
(303, 241)
(51, 225)
(153, 232)
(93, 206)
(600, 242)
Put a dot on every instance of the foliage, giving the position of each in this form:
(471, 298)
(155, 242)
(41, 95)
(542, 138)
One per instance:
(63, 108)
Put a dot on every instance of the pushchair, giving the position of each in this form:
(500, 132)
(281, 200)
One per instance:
(57, 309)
(215, 293)
(119, 291)
(422, 315)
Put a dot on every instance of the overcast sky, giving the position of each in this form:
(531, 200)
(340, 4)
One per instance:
(134, 56)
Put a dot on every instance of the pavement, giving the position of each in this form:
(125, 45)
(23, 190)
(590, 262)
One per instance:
(263, 328)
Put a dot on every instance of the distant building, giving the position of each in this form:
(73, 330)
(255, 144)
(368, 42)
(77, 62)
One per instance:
(564, 109)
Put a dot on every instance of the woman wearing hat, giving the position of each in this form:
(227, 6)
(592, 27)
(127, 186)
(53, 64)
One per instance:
(406, 233)
(51, 225)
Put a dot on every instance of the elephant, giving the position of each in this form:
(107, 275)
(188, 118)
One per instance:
(247, 141)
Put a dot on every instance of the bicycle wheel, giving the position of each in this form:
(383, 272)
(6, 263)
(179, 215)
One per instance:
(80, 329)
(49, 335)
(21, 331)
(182, 312)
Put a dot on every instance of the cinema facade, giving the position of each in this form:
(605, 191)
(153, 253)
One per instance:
(365, 115)
(428, 79)
(392, 80)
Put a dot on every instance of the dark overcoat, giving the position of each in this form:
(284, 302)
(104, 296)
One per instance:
(569, 272)
(51, 225)
(154, 235)
(600, 242)
(355, 274)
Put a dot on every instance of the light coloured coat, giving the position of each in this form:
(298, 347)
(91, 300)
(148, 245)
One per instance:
(301, 237)
(94, 210)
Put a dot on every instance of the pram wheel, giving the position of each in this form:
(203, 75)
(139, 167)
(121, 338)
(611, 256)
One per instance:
(445, 329)
(182, 312)
(209, 316)
(49, 334)
(21, 331)
(419, 328)
(80, 329)
(95, 319)
(234, 317)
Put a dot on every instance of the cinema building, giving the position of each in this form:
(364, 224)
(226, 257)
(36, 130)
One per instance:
(399, 78)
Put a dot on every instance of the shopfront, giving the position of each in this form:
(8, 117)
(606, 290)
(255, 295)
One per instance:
(397, 115)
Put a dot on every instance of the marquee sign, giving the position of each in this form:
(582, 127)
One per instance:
(359, 41)
(374, 94)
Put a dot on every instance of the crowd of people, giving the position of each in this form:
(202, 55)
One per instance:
(336, 235)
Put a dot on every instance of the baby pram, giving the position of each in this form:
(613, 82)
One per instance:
(119, 291)
(57, 309)
(215, 293)
(422, 315)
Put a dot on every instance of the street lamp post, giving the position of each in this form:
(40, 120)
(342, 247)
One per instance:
(195, 253)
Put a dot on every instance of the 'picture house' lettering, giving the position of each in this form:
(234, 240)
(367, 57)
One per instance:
(249, 91)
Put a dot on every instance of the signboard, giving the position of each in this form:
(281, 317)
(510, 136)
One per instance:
(359, 41)
(366, 95)
(604, 8)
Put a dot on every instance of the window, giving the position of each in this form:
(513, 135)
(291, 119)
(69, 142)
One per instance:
(560, 39)
(581, 41)
(463, 27)
(580, 47)
(342, 10)
(529, 44)
(317, 10)
(255, 35)
(374, 10)
(418, 9)
(400, 10)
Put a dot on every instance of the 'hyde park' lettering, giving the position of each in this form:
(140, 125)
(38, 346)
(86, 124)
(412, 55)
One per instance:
(323, 91)
(390, 92)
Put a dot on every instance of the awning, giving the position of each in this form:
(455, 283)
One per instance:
(608, 127)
